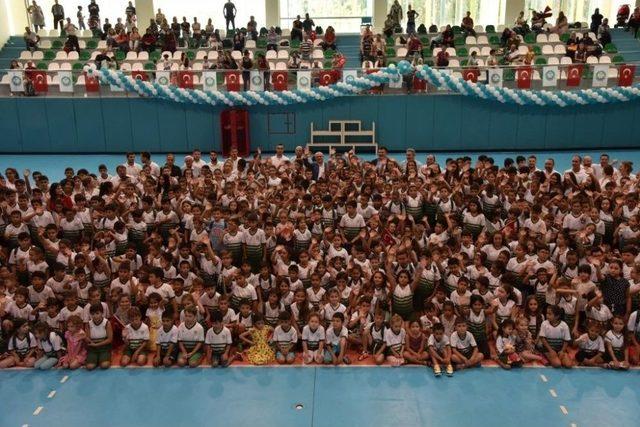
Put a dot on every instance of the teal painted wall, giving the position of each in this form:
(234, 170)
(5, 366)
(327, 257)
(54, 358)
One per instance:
(428, 123)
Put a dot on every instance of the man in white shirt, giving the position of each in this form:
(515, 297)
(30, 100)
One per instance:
(279, 158)
(198, 163)
(145, 158)
(214, 163)
(131, 166)
(577, 170)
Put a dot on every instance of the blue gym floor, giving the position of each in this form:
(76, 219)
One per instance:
(53, 165)
(486, 397)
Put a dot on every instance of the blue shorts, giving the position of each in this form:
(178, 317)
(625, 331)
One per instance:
(328, 353)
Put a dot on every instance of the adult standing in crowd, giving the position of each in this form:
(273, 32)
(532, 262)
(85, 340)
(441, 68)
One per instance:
(94, 12)
(58, 15)
(36, 15)
(229, 12)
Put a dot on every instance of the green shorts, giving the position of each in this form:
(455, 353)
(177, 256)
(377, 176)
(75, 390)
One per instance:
(97, 355)
(129, 351)
(195, 357)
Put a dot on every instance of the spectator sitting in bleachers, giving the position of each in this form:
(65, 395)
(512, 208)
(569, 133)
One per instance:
(184, 62)
(214, 41)
(442, 59)
(572, 45)
(15, 65)
(329, 41)
(105, 28)
(31, 39)
(581, 54)
(467, 25)
(238, 41)
(604, 32)
(414, 45)
(562, 25)
(381, 60)
(294, 61)
(389, 25)
(252, 28)
(305, 48)
(521, 27)
(185, 27)
(509, 38)
(634, 21)
(529, 57)
(512, 56)
(538, 19)
(102, 59)
(119, 25)
(296, 29)
(148, 41)
(444, 39)
(134, 39)
(272, 39)
(208, 30)
(472, 61)
(121, 41)
(492, 59)
(379, 44)
(170, 43)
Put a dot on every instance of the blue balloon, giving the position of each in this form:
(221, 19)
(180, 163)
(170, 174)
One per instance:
(404, 67)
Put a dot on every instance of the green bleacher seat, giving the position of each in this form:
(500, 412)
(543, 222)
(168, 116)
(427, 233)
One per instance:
(464, 62)
(328, 65)
(191, 55)
(494, 40)
(149, 66)
(263, 31)
(57, 44)
(120, 56)
(587, 73)
(458, 41)
(41, 66)
(424, 40)
(537, 50)
(328, 54)
(429, 62)
(258, 53)
(92, 44)
(462, 52)
(85, 55)
(155, 56)
(610, 48)
(49, 55)
(456, 29)
(564, 37)
(78, 66)
(509, 75)
(618, 59)
(390, 41)
(426, 52)
(490, 29)
(261, 43)
(295, 44)
(541, 61)
(391, 52)
(530, 38)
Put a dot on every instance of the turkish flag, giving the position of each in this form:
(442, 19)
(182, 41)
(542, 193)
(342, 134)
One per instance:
(185, 79)
(140, 75)
(574, 74)
(39, 79)
(524, 77)
(326, 77)
(91, 83)
(280, 80)
(420, 85)
(626, 74)
(233, 81)
(471, 74)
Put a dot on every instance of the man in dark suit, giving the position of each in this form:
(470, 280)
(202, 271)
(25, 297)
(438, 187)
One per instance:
(319, 168)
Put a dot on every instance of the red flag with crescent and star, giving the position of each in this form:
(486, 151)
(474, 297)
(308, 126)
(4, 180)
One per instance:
(524, 77)
(91, 83)
(39, 79)
(626, 74)
(574, 75)
(471, 74)
(326, 77)
(232, 80)
(140, 75)
(185, 79)
(279, 80)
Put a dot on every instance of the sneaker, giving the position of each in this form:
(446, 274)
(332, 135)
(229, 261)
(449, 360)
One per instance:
(436, 370)
(449, 370)
(346, 360)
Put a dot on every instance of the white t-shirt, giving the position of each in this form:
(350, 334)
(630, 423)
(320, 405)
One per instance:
(333, 338)
(165, 338)
(313, 338)
(218, 341)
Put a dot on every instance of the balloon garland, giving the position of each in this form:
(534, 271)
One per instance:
(354, 86)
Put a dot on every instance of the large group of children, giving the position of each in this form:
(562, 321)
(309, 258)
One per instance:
(302, 259)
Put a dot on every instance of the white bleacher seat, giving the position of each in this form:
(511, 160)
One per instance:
(485, 51)
(451, 51)
(53, 33)
(281, 66)
(80, 81)
(94, 54)
(470, 40)
(560, 49)
(166, 52)
(272, 65)
(541, 38)
(87, 33)
(55, 80)
(271, 55)
(436, 51)
(125, 67)
(237, 55)
(250, 44)
(592, 60)
(37, 55)
(175, 66)
(482, 40)
(554, 38)
(454, 63)
(398, 41)
(584, 25)
(73, 56)
(61, 55)
(213, 55)
(603, 59)
(5, 80)
(159, 66)
(442, 28)
(283, 54)
(177, 54)
(478, 29)
(547, 49)
(318, 42)
(401, 52)
(286, 32)
(474, 49)
(196, 79)
(613, 73)
(82, 44)
(143, 56)
(565, 60)
(456, 75)
(592, 36)
(553, 61)
(102, 44)
(480, 62)
(137, 66)
(53, 66)
(45, 44)
(133, 56)
(536, 75)
(42, 32)
(500, 28)
(563, 75)
(200, 55)
(25, 55)
(317, 54)
(66, 66)
(523, 50)
(197, 66)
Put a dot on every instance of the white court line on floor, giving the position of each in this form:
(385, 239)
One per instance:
(543, 378)
(553, 393)
(564, 410)
(64, 379)
(51, 394)
(38, 410)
